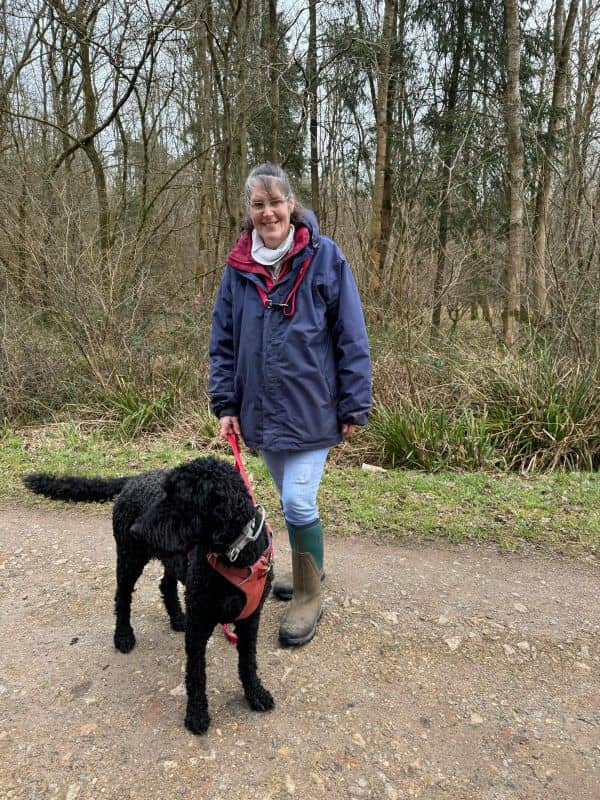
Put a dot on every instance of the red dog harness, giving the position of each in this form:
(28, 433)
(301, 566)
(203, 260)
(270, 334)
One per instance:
(251, 580)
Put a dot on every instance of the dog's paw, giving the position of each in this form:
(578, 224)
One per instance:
(124, 640)
(178, 622)
(260, 699)
(197, 721)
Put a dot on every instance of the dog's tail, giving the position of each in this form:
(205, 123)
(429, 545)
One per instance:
(72, 487)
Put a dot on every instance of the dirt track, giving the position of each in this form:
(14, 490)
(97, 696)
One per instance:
(458, 673)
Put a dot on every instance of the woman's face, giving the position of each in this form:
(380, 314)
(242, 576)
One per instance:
(270, 211)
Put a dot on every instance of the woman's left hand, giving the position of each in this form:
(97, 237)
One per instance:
(348, 429)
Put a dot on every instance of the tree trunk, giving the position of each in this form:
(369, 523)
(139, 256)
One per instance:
(312, 77)
(514, 260)
(376, 245)
(274, 78)
(447, 152)
(556, 123)
(395, 101)
(89, 125)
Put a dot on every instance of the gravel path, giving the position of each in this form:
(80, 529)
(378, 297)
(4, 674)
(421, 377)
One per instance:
(438, 672)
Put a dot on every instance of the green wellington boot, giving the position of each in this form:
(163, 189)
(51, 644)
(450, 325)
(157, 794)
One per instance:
(300, 623)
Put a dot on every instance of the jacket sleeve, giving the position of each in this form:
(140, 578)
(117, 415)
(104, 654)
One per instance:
(353, 359)
(221, 380)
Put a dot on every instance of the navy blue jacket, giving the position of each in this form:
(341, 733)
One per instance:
(292, 381)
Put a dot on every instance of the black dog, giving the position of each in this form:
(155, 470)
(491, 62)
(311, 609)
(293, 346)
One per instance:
(198, 519)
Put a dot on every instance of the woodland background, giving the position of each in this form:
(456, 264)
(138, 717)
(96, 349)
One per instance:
(452, 149)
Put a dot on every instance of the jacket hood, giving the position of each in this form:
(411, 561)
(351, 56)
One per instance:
(309, 219)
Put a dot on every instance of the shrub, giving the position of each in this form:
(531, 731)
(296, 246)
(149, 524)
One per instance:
(430, 438)
(544, 411)
(39, 372)
(138, 411)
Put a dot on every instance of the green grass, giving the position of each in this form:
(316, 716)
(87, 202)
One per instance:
(560, 510)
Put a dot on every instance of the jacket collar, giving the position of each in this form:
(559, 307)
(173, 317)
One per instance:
(240, 257)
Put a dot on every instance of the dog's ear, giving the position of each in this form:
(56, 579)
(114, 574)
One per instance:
(161, 527)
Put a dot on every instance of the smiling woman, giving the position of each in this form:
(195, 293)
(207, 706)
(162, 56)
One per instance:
(270, 213)
(290, 367)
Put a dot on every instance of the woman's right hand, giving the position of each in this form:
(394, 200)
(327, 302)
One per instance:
(229, 425)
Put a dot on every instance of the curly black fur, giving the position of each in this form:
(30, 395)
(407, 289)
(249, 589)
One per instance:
(178, 516)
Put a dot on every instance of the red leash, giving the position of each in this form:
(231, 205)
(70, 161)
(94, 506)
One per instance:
(239, 465)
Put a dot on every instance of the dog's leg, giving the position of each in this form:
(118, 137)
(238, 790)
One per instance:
(197, 634)
(168, 589)
(130, 566)
(259, 698)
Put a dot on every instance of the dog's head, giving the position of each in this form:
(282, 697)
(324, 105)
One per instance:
(205, 504)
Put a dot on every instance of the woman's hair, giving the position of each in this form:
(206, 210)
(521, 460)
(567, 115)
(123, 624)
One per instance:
(268, 174)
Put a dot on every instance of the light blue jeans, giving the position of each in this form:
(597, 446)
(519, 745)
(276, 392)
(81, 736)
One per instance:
(297, 477)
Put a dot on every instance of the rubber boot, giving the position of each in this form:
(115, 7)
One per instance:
(300, 623)
(283, 588)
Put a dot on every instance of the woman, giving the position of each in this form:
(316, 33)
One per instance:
(290, 367)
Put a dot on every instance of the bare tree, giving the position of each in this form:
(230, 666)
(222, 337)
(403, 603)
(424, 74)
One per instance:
(376, 244)
(562, 39)
(515, 255)
(448, 149)
(312, 79)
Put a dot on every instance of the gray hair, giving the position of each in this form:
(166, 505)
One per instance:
(266, 175)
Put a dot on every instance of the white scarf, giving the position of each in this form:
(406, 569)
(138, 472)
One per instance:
(265, 255)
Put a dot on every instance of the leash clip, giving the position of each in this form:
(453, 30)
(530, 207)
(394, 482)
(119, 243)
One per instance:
(249, 534)
(270, 304)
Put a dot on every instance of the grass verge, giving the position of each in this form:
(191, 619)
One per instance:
(560, 510)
